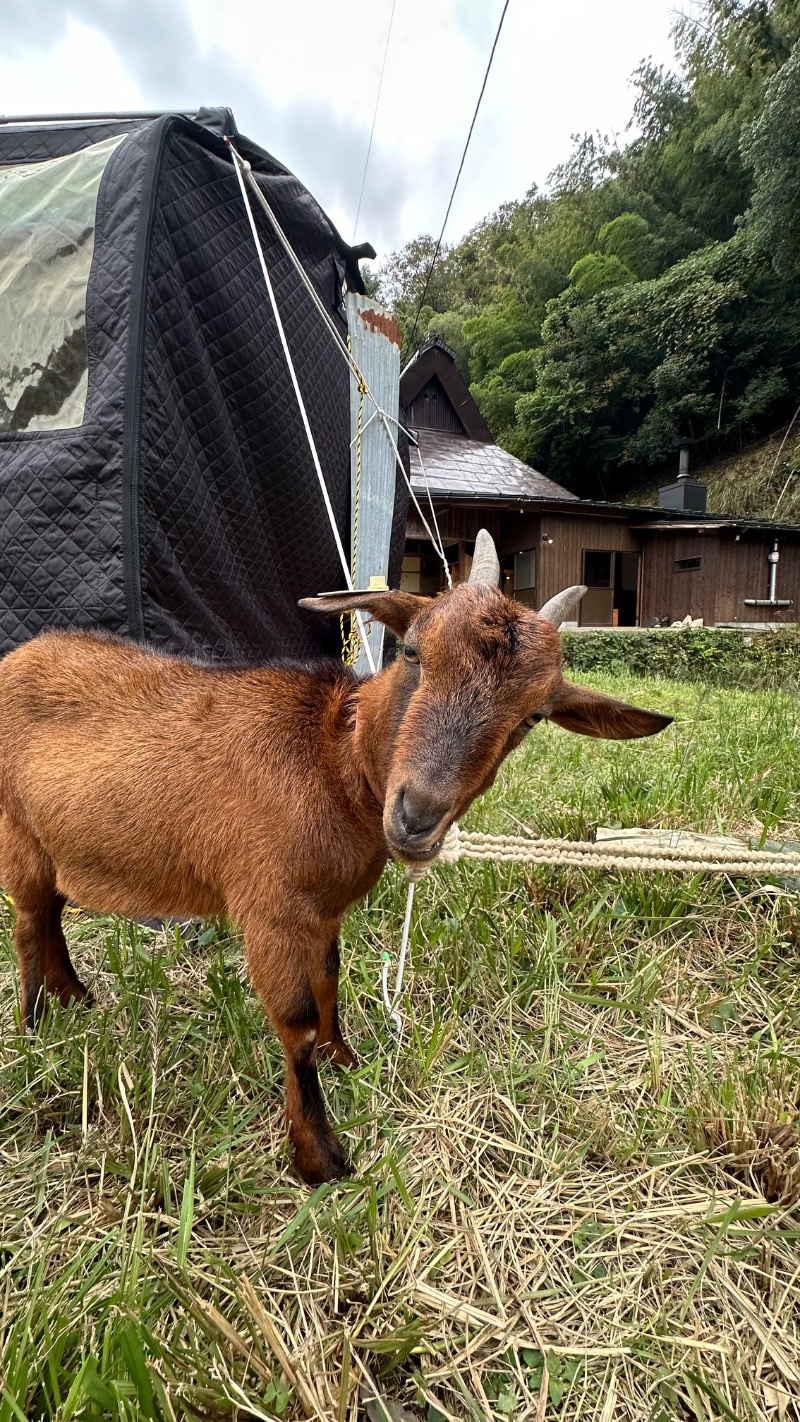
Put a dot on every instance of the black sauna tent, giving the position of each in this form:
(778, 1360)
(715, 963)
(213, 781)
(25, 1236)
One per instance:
(155, 479)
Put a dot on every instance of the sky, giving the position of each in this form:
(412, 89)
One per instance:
(302, 79)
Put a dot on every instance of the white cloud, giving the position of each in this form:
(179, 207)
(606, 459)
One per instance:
(301, 80)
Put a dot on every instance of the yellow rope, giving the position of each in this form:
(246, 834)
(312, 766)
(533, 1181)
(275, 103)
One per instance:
(351, 642)
(622, 854)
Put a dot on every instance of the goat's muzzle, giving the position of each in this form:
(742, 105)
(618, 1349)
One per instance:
(414, 823)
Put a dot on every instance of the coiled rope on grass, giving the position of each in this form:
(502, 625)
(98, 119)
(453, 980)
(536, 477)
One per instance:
(623, 854)
(457, 844)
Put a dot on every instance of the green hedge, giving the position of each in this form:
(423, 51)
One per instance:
(716, 655)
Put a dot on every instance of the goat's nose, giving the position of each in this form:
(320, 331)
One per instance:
(417, 813)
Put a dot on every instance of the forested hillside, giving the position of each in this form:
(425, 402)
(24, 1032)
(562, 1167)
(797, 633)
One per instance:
(652, 293)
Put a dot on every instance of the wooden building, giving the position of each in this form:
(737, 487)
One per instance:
(641, 565)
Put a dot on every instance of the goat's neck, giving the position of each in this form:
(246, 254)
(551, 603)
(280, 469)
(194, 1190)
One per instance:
(378, 716)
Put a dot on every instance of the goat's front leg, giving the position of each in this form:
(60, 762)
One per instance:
(281, 970)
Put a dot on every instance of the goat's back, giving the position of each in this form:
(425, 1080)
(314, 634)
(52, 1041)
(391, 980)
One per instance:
(152, 782)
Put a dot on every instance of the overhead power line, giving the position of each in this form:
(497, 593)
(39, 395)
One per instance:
(374, 118)
(458, 174)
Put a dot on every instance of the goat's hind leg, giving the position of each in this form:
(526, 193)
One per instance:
(325, 987)
(45, 966)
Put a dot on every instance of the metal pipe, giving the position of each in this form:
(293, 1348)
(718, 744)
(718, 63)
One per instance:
(133, 115)
(683, 462)
(772, 559)
(768, 602)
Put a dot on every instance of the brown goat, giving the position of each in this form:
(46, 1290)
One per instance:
(139, 784)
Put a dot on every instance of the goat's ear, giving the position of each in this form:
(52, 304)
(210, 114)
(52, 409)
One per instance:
(576, 708)
(396, 610)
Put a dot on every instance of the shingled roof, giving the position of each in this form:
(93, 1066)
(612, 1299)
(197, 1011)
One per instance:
(459, 459)
(462, 468)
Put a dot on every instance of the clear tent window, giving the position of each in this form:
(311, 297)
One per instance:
(47, 228)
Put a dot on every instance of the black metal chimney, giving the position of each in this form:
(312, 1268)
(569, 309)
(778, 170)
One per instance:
(688, 494)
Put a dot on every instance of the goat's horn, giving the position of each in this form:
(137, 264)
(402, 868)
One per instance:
(485, 562)
(559, 607)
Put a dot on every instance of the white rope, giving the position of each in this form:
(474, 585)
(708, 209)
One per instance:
(732, 860)
(440, 546)
(341, 345)
(611, 854)
(447, 855)
(390, 1003)
(436, 537)
(241, 166)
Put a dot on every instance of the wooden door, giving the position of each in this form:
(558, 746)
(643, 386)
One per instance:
(597, 607)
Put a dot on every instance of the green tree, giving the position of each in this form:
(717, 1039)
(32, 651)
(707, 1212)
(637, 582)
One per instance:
(498, 333)
(708, 349)
(771, 149)
(629, 238)
(498, 394)
(596, 272)
(449, 325)
(404, 277)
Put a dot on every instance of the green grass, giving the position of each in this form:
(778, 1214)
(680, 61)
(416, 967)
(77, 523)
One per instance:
(577, 1172)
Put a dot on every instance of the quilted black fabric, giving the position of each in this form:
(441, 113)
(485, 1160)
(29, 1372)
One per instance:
(233, 524)
(36, 145)
(186, 509)
(31, 142)
(60, 490)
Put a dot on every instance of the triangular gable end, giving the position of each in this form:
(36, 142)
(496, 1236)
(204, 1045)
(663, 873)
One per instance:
(431, 371)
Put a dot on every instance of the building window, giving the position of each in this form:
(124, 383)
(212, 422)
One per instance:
(525, 569)
(411, 573)
(597, 567)
(687, 565)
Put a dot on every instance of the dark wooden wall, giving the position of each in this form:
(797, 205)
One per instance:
(743, 571)
(431, 409)
(669, 592)
(560, 563)
(730, 571)
(457, 522)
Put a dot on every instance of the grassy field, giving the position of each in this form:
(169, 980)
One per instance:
(577, 1191)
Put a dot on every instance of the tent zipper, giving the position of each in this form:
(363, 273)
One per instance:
(132, 418)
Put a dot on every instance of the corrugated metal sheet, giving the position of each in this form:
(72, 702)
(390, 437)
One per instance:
(375, 341)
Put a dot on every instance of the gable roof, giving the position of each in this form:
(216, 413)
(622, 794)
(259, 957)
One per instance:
(462, 463)
(435, 358)
(459, 468)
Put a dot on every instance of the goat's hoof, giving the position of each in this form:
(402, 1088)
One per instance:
(37, 999)
(340, 1054)
(320, 1161)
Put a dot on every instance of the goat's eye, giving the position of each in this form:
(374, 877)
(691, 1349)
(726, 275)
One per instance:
(410, 654)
